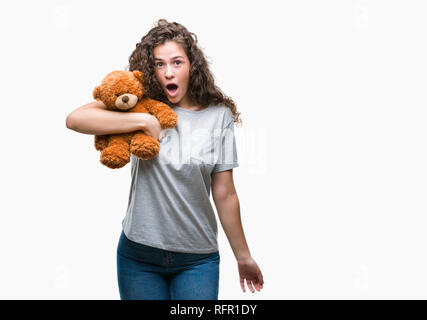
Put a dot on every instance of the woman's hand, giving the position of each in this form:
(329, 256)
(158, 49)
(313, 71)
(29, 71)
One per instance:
(249, 270)
(152, 126)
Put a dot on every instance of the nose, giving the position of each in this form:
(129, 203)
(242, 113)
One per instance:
(168, 72)
(125, 99)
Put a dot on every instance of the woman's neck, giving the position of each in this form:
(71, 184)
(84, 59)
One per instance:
(191, 106)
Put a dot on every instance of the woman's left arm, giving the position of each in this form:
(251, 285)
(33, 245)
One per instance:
(228, 208)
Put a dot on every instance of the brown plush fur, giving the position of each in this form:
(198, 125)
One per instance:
(123, 91)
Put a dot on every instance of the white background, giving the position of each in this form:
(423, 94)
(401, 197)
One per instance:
(332, 151)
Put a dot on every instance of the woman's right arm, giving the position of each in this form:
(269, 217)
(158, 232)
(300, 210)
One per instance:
(94, 118)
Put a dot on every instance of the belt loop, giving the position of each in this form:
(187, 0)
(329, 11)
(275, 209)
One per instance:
(168, 258)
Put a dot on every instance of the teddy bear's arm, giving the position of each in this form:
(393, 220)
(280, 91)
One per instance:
(167, 117)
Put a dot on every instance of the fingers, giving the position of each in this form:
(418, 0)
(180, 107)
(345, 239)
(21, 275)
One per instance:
(249, 283)
(260, 279)
(258, 283)
(242, 284)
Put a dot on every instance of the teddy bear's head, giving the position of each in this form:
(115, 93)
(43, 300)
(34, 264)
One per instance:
(120, 90)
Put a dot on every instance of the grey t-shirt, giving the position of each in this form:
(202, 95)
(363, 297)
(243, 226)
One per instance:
(169, 202)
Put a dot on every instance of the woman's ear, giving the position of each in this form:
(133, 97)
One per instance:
(138, 75)
(97, 93)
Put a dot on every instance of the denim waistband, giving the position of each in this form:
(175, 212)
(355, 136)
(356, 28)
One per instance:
(160, 257)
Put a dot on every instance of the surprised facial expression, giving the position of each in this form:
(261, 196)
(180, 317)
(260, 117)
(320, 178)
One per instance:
(172, 69)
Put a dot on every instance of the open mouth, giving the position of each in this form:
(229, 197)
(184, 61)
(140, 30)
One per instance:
(172, 89)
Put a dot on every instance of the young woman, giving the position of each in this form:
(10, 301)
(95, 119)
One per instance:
(168, 247)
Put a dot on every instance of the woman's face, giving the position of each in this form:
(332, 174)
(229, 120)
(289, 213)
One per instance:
(172, 69)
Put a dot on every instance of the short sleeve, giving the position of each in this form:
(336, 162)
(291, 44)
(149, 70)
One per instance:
(227, 151)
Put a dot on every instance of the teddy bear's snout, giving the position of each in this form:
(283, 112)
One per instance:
(126, 101)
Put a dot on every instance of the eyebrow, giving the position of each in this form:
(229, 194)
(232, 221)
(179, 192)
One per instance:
(171, 59)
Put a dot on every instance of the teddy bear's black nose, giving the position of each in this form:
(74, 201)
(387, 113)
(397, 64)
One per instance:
(125, 99)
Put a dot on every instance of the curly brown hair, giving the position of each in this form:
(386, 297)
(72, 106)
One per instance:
(201, 89)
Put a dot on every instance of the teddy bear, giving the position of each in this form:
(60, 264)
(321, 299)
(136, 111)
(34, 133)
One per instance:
(123, 91)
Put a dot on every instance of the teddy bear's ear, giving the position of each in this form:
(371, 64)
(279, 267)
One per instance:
(97, 93)
(138, 75)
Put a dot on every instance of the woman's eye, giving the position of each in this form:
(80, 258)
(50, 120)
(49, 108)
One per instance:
(159, 64)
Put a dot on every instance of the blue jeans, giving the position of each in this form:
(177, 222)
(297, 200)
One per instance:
(148, 273)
